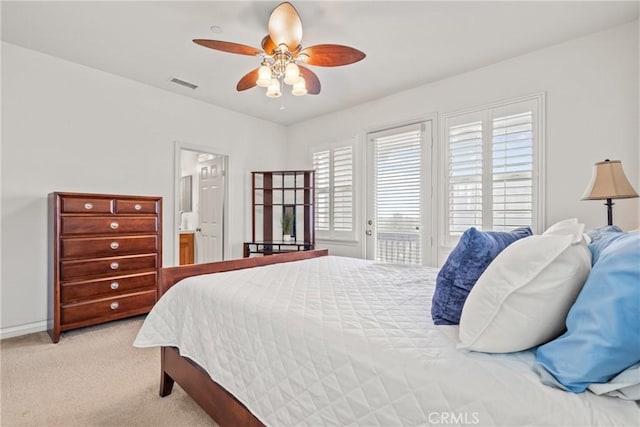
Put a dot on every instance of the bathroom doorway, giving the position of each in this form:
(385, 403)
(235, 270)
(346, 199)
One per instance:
(201, 205)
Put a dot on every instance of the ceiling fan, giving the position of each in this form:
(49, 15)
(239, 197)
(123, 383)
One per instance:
(282, 53)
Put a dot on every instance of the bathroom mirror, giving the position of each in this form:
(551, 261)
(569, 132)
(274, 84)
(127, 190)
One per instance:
(185, 193)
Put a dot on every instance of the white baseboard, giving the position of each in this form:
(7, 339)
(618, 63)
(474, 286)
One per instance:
(27, 328)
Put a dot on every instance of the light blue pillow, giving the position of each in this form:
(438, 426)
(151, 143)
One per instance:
(602, 241)
(468, 260)
(603, 326)
(596, 233)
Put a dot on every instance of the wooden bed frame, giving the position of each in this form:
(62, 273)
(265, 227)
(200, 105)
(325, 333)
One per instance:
(221, 405)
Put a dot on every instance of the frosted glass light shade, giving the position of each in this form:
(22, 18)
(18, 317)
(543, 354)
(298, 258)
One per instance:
(291, 74)
(274, 89)
(299, 87)
(264, 76)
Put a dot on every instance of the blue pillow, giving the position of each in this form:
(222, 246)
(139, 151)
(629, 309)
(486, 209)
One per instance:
(468, 260)
(596, 233)
(603, 326)
(602, 242)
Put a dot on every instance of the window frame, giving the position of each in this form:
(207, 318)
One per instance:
(332, 234)
(485, 114)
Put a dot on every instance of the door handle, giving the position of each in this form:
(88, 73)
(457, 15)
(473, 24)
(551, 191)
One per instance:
(368, 233)
(198, 229)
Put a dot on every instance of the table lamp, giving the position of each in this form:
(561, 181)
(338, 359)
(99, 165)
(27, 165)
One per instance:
(609, 182)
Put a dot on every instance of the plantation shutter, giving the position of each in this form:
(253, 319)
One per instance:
(321, 165)
(465, 177)
(398, 157)
(334, 205)
(490, 163)
(343, 189)
(512, 171)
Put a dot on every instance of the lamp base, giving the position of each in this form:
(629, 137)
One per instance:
(609, 204)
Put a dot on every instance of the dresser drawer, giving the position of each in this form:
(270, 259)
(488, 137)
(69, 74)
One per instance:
(113, 286)
(71, 270)
(136, 206)
(86, 205)
(108, 225)
(94, 247)
(106, 308)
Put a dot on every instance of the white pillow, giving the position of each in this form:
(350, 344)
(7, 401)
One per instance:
(523, 297)
(567, 226)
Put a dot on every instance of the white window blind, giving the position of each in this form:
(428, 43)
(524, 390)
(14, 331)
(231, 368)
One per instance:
(334, 204)
(321, 165)
(492, 182)
(465, 177)
(343, 189)
(398, 169)
(513, 171)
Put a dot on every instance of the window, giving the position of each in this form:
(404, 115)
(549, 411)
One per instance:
(492, 165)
(334, 204)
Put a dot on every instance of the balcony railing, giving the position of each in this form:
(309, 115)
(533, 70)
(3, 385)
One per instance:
(399, 248)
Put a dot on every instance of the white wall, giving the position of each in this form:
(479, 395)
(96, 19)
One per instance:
(591, 87)
(67, 127)
(71, 128)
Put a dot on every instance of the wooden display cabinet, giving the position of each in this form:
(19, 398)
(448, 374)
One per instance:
(275, 196)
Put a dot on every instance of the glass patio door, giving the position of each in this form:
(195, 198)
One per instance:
(397, 165)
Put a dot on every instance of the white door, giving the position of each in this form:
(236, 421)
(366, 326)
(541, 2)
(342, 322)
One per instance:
(397, 226)
(209, 234)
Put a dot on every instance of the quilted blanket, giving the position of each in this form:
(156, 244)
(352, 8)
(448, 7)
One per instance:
(349, 342)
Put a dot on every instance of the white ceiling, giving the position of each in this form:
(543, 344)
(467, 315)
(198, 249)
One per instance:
(407, 43)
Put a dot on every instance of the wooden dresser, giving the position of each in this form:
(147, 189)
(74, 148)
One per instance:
(106, 253)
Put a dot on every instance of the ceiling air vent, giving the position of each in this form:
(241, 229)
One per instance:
(183, 83)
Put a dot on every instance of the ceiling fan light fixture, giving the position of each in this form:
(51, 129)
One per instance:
(284, 61)
(299, 87)
(264, 76)
(273, 91)
(291, 74)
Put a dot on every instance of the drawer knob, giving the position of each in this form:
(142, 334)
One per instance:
(115, 285)
(137, 207)
(114, 305)
(88, 206)
(114, 265)
(114, 225)
(114, 245)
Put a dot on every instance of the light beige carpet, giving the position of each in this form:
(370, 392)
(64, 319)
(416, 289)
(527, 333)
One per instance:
(92, 377)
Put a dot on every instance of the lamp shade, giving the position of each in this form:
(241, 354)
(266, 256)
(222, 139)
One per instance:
(291, 74)
(273, 91)
(609, 182)
(264, 76)
(299, 87)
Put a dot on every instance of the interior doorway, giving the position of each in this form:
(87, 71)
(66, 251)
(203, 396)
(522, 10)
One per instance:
(201, 205)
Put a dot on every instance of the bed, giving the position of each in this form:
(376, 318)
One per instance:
(312, 339)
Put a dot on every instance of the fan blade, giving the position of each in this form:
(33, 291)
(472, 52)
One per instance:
(248, 80)
(285, 26)
(331, 55)
(311, 80)
(268, 45)
(229, 47)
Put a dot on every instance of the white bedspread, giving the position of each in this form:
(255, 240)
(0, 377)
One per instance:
(341, 341)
